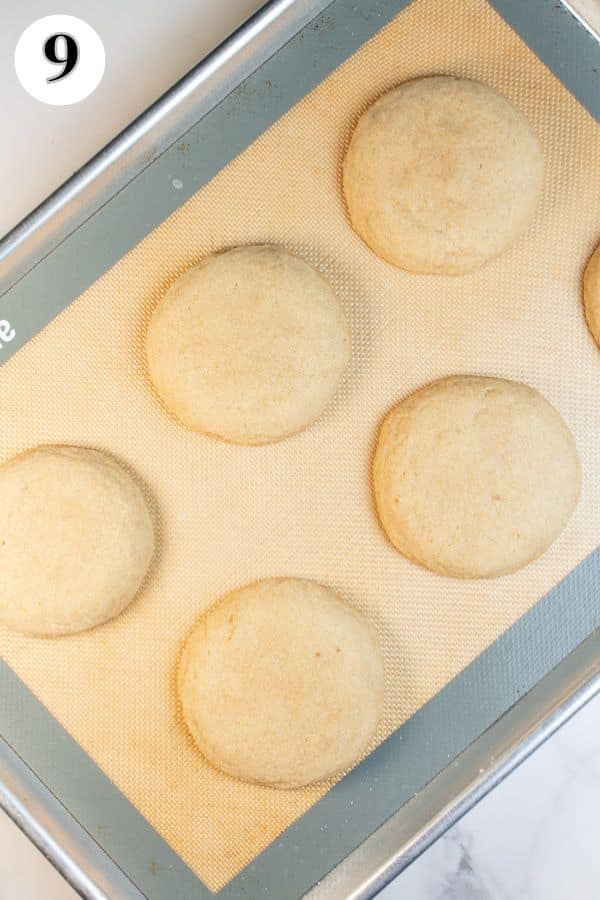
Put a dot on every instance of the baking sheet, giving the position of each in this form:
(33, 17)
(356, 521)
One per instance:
(228, 515)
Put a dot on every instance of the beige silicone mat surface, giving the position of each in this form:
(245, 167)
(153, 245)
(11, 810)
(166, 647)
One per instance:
(227, 515)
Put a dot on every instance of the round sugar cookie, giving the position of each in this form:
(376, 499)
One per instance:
(282, 683)
(475, 477)
(248, 346)
(441, 175)
(76, 540)
(591, 294)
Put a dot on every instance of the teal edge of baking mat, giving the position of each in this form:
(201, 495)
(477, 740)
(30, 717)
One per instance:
(551, 32)
(472, 701)
(356, 805)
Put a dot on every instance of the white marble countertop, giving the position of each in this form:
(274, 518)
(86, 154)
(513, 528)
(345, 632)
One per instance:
(537, 835)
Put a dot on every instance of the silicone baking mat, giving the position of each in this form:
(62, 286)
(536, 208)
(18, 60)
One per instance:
(228, 515)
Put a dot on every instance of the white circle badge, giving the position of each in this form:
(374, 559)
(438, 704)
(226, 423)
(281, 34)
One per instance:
(59, 60)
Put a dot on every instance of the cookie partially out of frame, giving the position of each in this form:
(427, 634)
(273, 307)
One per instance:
(76, 540)
(591, 294)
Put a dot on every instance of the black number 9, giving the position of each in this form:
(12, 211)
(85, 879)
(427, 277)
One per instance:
(69, 59)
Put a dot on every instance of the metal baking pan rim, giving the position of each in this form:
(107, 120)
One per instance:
(389, 850)
(163, 123)
(537, 715)
(469, 778)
